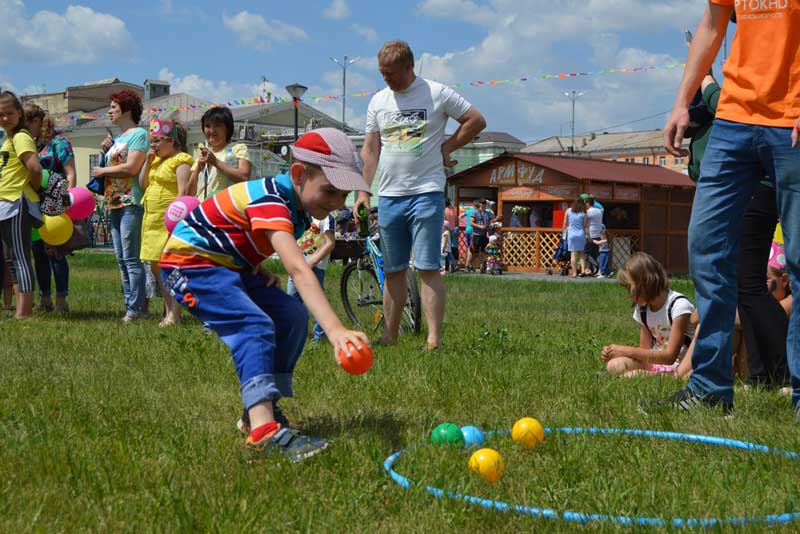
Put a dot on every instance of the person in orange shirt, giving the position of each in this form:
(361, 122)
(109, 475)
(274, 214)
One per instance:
(754, 135)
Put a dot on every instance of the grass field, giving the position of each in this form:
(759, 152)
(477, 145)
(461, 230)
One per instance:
(112, 427)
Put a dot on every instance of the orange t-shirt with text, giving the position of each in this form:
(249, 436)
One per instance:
(762, 73)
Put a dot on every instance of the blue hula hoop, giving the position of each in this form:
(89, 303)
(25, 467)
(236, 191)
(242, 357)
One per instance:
(584, 518)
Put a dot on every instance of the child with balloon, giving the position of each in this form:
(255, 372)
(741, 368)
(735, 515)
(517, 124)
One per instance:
(56, 156)
(163, 178)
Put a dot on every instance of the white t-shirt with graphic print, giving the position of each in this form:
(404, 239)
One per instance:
(658, 320)
(411, 124)
(314, 238)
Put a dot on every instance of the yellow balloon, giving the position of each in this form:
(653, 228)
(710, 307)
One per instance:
(528, 432)
(487, 463)
(56, 230)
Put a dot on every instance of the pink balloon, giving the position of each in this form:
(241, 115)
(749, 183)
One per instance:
(82, 203)
(178, 210)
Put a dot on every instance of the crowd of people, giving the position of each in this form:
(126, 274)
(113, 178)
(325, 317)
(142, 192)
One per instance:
(211, 263)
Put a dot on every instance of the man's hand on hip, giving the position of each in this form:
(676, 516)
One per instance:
(796, 134)
(449, 163)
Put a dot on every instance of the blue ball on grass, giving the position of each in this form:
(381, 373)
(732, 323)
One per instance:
(472, 435)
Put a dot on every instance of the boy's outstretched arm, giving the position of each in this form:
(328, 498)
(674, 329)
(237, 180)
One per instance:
(314, 298)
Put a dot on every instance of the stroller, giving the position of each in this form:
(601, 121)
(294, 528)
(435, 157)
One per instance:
(560, 257)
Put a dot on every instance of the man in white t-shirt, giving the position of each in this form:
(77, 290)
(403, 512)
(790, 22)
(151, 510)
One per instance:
(406, 135)
(594, 218)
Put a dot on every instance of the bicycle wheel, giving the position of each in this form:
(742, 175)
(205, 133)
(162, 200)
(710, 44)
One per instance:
(361, 296)
(412, 313)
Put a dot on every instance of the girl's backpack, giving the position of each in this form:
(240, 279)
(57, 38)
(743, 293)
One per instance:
(55, 194)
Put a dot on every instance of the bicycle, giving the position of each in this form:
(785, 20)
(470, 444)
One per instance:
(362, 289)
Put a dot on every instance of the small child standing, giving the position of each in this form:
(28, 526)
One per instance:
(212, 265)
(604, 257)
(447, 255)
(316, 244)
(493, 256)
(663, 318)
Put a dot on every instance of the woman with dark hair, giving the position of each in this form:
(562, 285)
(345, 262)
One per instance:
(125, 156)
(55, 155)
(220, 163)
(575, 224)
(20, 179)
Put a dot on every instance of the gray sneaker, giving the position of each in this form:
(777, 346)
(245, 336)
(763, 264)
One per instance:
(684, 400)
(286, 442)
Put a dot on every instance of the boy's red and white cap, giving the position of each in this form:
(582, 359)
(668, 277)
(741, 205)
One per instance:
(336, 154)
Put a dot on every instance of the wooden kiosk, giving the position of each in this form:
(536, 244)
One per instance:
(646, 207)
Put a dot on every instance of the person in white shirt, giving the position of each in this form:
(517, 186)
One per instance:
(594, 220)
(405, 133)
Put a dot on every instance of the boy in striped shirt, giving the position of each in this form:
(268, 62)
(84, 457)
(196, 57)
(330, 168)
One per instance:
(212, 265)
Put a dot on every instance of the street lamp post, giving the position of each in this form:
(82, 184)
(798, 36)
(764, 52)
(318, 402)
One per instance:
(344, 64)
(296, 91)
(574, 96)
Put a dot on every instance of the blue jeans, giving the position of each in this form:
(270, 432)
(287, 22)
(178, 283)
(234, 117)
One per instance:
(48, 267)
(264, 327)
(604, 259)
(126, 232)
(411, 222)
(291, 289)
(737, 158)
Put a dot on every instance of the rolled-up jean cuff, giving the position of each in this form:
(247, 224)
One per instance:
(259, 389)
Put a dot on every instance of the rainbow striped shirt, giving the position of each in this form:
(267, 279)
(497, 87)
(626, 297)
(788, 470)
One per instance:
(229, 229)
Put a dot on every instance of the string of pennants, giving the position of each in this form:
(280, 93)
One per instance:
(271, 99)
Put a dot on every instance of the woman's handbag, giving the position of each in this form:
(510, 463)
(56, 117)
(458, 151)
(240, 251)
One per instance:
(98, 185)
(80, 239)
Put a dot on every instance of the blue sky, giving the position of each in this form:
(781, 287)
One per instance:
(220, 50)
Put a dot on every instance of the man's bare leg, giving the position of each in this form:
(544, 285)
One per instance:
(394, 300)
(433, 306)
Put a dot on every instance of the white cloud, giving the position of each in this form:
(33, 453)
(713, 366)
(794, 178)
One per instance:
(530, 37)
(166, 7)
(367, 33)
(254, 31)
(338, 10)
(465, 10)
(79, 35)
(214, 91)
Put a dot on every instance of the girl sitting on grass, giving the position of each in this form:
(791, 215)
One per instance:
(663, 318)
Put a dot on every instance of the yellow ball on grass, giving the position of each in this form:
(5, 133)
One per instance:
(528, 432)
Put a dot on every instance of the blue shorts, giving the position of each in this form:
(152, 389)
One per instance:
(469, 239)
(411, 222)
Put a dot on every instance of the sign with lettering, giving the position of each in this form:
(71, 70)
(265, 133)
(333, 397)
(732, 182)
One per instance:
(518, 193)
(565, 191)
(529, 174)
(504, 174)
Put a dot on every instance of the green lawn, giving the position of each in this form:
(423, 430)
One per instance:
(112, 427)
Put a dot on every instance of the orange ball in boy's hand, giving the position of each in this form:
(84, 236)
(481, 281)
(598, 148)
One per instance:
(360, 360)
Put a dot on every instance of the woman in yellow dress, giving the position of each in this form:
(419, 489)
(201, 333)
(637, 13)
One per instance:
(163, 178)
